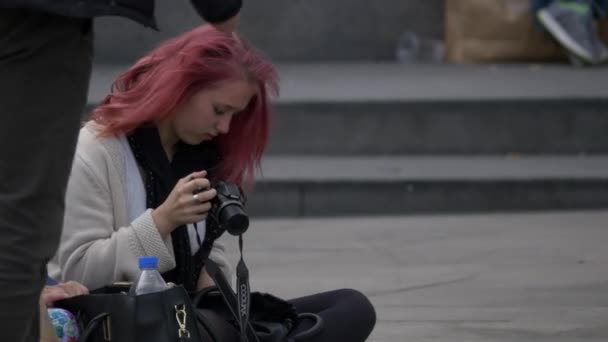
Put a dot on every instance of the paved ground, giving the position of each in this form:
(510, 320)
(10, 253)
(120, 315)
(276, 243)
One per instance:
(470, 278)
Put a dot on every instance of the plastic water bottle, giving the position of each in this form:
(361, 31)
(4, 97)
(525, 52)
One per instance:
(408, 48)
(149, 280)
(411, 48)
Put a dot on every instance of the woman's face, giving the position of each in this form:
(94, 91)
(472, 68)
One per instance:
(208, 112)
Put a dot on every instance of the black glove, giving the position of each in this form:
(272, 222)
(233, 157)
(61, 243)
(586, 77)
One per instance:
(217, 11)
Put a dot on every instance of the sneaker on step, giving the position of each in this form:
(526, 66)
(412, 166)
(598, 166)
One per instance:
(601, 52)
(571, 24)
(575, 61)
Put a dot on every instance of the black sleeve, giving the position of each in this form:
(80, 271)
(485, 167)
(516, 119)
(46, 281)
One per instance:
(217, 11)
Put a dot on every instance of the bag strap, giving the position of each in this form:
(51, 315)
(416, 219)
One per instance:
(239, 305)
(201, 294)
(92, 326)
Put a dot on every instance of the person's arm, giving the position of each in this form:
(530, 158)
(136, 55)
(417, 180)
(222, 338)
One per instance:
(53, 293)
(223, 14)
(49, 295)
(93, 250)
(229, 25)
(218, 255)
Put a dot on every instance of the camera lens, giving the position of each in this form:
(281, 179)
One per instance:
(235, 219)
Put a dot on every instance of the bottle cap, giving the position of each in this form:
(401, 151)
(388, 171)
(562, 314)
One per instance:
(148, 262)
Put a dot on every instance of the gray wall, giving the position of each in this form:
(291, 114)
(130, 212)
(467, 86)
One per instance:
(288, 30)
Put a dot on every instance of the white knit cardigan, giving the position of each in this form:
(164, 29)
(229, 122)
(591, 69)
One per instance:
(100, 242)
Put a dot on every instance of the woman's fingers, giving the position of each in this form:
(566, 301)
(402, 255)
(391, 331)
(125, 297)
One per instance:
(200, 209)
(190, 177)
(74, 288)
(51, 294)
(204, 196)
(195, 185)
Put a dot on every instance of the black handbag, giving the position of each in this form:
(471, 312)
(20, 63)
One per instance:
(248, 317)
(111, 314)
(215, 314)
(272, 319)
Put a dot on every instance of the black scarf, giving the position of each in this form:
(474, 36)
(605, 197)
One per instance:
(160, 177)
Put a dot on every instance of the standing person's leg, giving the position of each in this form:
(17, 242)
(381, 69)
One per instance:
(601, 8)
(540, 4)
(348, 315)
(45, 66)
(601, 11)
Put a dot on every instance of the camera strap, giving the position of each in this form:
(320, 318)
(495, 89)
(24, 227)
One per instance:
(239, 303)
(243, 292)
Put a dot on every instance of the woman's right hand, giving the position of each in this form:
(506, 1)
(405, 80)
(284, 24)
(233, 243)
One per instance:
(182, 206)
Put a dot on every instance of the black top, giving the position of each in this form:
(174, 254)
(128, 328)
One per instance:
(160, 177)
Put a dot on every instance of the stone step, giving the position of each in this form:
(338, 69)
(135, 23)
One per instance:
(334, 186)
(311, 30)
(390, 109)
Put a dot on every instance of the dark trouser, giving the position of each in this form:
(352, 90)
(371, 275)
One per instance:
(45, 66)
(347, 314)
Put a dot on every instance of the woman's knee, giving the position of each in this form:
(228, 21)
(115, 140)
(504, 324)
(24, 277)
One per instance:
(360, 305)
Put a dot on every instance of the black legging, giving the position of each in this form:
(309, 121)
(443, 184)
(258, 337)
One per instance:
(347, 314)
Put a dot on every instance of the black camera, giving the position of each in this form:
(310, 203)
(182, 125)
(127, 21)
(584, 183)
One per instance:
(227, 208)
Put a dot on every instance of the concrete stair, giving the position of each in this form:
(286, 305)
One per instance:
(334, 186)
(366, 138)
(294, 30)
(389, 109)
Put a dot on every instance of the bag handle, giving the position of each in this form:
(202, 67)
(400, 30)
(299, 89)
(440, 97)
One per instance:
(314, 330)
(93, 325)
(201, 294)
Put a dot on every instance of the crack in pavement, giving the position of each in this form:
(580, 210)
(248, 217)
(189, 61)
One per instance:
(421, 287)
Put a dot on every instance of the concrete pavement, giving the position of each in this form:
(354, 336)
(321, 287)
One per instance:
(471, 278)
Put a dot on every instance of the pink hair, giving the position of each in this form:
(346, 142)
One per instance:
(152, 88)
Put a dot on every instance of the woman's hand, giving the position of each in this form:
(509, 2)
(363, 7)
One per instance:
(185, 204)
(229, 25)
(51, 294)
(204, 280)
